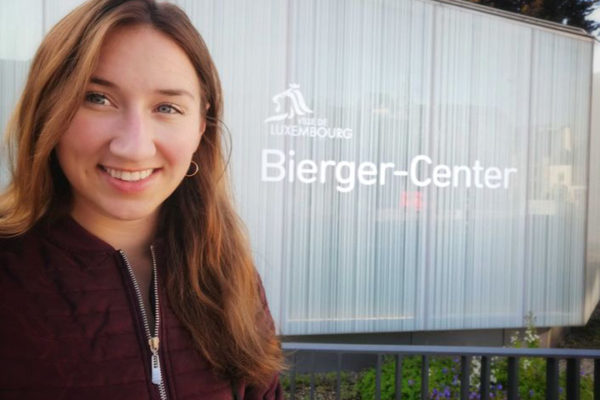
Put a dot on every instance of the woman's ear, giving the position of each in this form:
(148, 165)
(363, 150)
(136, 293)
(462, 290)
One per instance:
(202, 127)
(203, 123)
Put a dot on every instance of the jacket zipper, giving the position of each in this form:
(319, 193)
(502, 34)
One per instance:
(153, 340)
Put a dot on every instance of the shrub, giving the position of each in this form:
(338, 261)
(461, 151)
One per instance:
(444, 375)
(444, 379)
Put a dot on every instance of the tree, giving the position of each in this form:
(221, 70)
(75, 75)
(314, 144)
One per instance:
(570, 12)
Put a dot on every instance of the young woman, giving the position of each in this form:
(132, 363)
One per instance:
(124, 271)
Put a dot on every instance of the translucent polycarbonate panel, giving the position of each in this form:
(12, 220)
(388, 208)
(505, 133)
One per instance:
(592, 278)
(21, 28)
(478, 112)
(557, 178)
(54, 10)
(341, 100)
(400, 165)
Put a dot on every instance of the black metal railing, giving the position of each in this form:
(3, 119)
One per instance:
(552, 356)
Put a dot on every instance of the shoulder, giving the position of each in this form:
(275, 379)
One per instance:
(21, 270)
(33, 259)
(15, 249)
(49, 242)
(21, 258)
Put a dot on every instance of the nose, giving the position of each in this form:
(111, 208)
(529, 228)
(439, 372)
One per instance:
(133, 138)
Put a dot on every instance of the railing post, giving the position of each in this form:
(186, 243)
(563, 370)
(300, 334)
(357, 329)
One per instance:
(398, 383)
(312, 375)
(573, 380)
(293, 378)
(512, 391)
(597, 379)
(465, 374)
(551, 379)
(338, 384)
(484, 388)
(378, 378)
(425, 377)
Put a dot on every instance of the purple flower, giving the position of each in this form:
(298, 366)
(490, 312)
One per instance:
(455, 359)
(455, 380)
(531, 392)
(447, 392)
(445, 370)
(435, 392)
(560, 389)
(499, 387)
(411, 382)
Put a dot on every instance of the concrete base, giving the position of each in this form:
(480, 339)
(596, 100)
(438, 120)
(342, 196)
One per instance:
(552, 337)
(549, 337)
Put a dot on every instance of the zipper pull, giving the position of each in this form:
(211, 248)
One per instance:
(154, 342)
(156, 374)
(155, 361)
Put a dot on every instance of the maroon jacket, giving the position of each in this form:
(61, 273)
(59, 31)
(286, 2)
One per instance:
(70, 326)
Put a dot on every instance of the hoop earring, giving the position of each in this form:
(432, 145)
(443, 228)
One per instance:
(196, 169)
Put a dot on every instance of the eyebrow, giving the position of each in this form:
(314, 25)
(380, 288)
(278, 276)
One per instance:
(102, 82)
(175, 92)
(167, 92)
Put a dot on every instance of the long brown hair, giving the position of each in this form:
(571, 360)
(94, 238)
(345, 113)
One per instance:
(212, 284)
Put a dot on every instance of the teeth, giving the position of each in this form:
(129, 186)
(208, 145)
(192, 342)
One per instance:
(129, 176)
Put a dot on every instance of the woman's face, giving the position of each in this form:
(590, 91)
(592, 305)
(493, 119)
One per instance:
(131, 142)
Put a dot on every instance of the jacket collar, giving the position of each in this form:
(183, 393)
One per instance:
(69, 235)
(65, 232)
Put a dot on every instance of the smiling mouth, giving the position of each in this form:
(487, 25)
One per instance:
(128, 176)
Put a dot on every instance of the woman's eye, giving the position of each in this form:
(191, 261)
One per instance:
(96, 98)
(167, 109)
